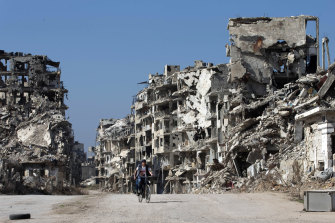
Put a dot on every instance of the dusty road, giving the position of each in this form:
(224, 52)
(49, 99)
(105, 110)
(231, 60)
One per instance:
(102, 207)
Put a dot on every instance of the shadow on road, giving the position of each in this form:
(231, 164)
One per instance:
(163, 202)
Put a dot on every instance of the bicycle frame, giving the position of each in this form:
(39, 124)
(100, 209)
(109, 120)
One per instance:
(145, 191)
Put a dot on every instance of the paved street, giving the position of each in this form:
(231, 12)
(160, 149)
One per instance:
(103, 207)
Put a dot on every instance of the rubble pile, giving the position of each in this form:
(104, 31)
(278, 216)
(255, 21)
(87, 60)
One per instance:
(219, 181)
(265, 120)
(37, 149)
(275, 127)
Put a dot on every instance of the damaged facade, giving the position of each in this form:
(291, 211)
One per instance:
(269, 111)
(38, 151)
(114, 153)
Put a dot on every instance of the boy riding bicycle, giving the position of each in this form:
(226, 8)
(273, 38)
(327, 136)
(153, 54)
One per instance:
(142, 171)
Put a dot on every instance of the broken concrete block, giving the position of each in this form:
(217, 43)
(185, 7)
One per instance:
(237, 71)
(326, 86)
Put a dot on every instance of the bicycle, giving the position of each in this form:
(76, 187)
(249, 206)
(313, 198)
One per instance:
(145, 191)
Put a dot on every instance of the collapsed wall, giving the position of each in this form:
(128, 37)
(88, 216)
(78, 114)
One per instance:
(267, 115)
(37, 149)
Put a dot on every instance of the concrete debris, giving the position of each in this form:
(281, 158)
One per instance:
(38, 152)
(266, 118)
(325, 175)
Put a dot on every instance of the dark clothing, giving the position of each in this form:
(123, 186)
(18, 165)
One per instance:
(138, 169)
(139, 180)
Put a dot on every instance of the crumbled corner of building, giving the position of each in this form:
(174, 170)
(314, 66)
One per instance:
(37, 148)
(265, 120)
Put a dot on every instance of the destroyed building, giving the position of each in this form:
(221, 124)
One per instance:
(88, 170)
(114, 153)
(37, 149)
(269, 111)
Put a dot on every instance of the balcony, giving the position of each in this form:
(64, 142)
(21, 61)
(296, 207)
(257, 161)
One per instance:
(161, 114)
(162, 100)
(140, 104)
(147, 115)
(165, 83)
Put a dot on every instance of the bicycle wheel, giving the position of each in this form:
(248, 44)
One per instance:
(147, 194)
(140, 197)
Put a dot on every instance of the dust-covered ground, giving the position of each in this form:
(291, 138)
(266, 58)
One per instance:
(105, 207)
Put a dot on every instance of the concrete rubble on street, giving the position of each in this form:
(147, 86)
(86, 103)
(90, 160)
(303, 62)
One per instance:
(37, 148)
(266, 116)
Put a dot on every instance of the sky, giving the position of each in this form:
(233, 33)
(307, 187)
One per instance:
(107, 47)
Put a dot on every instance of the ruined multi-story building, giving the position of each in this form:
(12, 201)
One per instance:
(115, 153)
(270, 109)
(37, 148)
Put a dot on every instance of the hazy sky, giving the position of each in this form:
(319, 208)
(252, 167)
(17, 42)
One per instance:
(107, 47)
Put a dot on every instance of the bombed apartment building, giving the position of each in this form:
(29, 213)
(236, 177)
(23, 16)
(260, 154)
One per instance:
(114, 154)
(173, 127)
(38, 152)
(276, 117)
(267, 114)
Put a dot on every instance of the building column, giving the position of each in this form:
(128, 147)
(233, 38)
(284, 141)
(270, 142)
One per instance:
(298, 131)
(327, 129)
